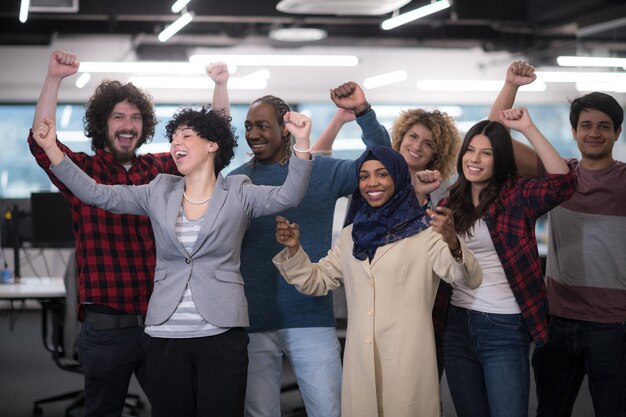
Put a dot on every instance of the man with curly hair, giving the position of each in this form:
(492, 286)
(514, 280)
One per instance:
(115, 253)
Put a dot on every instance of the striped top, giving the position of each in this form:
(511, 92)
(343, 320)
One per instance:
(185, 321)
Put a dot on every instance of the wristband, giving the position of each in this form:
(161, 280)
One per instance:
(301, 150)
(366, 110)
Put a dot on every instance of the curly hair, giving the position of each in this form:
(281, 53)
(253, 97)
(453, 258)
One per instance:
(213, 126)
(99, 107)
(446, 138)
(281, 109)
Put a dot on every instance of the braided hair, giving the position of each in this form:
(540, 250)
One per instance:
(281, 108)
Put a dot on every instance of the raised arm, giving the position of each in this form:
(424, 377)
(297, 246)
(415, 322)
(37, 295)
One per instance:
(218, 71)
(115, 198)
(350, 96)
(517, 74)
(519, 119)
(296, 267)
(324, 144)
(61, 65)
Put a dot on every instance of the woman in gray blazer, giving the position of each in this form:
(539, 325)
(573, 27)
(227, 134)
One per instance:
(196, 344)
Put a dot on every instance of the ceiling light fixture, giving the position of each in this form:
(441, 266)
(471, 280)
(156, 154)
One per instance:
(146, 67)
(242, 83)
(83, 79)
(177, 25)
(24, 10)
(178, 5)
(591, 61)
(581, 77)
(601, 86)
(297, 34)
(473, 85)
(385, 79)
(278, 60)
(418, 13)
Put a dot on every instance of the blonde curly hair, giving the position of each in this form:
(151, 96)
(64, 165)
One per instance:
(446, 138)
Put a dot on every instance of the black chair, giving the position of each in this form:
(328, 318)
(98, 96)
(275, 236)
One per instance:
(60, 331)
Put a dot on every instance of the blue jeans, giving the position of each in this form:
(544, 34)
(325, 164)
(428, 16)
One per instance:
(576, 348)
(315, 356)
(487, 367)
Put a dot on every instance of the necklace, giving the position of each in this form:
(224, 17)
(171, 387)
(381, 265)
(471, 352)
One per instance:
(197, 203)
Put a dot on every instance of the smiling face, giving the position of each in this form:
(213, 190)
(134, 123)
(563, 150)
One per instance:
(375, 184)
(478, 162)
(190, 151)
(124, 128)
(417, 147)
(265, 136)
(595, 136)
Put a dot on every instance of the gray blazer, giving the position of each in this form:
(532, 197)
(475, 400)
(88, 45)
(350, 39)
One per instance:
(212, 268)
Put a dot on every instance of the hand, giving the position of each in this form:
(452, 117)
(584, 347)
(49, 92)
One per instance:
(520, 73)
(62, 64)
(45, 134)
(349, 96)
(442, 222)
(344, 116)
(427, 181)
(299, 126)
(218, 71)
(288, 234)
(516, 118)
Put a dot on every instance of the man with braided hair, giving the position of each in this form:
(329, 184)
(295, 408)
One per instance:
(284, 322)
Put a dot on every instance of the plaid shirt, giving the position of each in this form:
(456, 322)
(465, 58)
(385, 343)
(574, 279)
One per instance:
(115, 253)
(511, 223)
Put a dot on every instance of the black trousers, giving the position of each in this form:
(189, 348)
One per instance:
(198, 377)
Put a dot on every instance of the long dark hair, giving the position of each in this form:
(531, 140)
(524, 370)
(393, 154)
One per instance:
(504, 167)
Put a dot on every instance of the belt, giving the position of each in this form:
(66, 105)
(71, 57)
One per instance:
(100, 321)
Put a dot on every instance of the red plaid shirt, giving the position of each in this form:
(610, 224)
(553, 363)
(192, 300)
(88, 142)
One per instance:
(511, 223)
(115, 253)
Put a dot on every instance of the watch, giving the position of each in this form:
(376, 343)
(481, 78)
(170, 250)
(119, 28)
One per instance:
(366, 110)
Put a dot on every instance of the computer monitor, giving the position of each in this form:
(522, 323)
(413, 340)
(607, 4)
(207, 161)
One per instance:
(52, 221)
(15, 225)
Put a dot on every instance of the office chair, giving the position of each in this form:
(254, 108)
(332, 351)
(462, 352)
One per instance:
(60, 329)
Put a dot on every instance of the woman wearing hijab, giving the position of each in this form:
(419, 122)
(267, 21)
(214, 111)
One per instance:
(390, 261)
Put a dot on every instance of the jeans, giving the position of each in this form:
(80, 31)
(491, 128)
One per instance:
(487, 365)
(315, 356)
(109, 358)
(576, 348)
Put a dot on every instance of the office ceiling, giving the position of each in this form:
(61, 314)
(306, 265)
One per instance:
(473, 39)
(537, 28)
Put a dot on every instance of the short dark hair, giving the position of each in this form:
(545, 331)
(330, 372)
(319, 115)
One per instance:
(211, 125)
(504, 167)
(597, 101)
(99, 107)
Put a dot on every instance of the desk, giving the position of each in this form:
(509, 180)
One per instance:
(33, 288)
(46, 290)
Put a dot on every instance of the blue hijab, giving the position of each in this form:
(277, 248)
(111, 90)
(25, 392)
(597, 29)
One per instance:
(400, 217)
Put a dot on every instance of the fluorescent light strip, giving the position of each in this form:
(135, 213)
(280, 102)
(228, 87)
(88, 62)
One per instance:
(243, 83)
(472, 85)
(145, 67)
(279, 60)
(418, 13)
(24, 10)
(385, 79)
(601, 86)
(573, 77)
(83, 79)
(172, 29)
(178, 6)
(591, 61)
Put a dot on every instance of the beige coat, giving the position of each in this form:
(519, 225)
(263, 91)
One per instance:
(390, 367)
